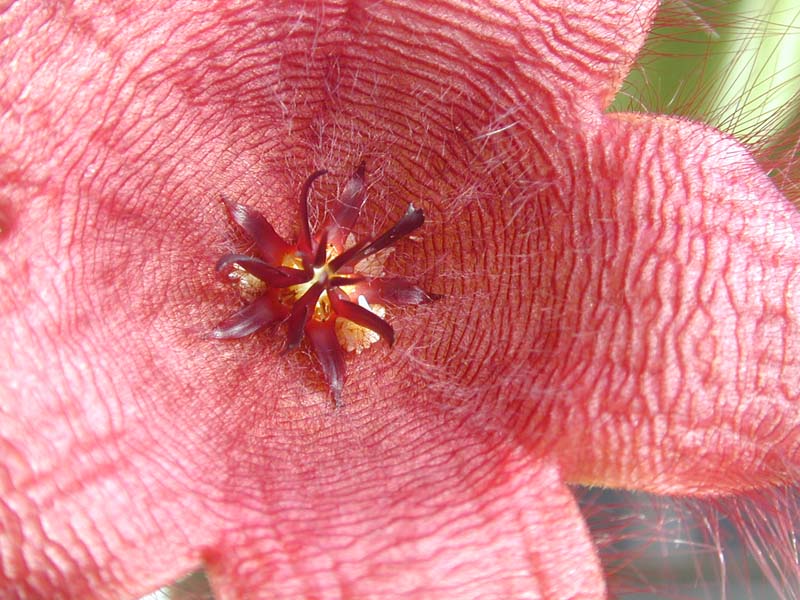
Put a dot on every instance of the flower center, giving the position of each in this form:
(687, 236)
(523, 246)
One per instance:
(327, 293)
(322, 309)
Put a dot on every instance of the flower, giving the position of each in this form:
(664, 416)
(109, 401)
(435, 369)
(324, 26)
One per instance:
(312, 284)
(620, 300)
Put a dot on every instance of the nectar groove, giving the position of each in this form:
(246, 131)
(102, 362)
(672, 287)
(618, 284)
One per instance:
(327, 288)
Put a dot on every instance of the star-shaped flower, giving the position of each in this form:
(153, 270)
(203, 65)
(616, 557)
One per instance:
(619, 299)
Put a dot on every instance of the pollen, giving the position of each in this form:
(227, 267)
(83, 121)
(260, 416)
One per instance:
(355, 338)
(249, 285)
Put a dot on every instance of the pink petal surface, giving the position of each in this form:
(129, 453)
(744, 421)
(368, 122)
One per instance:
(693, 301)
(134, 448)
(495, 527)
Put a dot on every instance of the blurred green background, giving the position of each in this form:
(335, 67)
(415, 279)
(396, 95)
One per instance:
(734, 65)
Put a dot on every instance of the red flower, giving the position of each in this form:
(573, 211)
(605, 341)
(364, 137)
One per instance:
(619, 299)
(316, 284)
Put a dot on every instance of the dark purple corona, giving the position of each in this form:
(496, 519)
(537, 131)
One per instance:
(327, 287)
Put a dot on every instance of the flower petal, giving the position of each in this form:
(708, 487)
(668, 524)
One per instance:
(687, 336)
(304, 243)
(125, 438)
(485, 527)
(271, 246)
(302, 310)
(410, 221)
(325, 344)
(278, 277)
(394, 290)
(322, 250)
(361, 316)
(347, 207)
(261, 312)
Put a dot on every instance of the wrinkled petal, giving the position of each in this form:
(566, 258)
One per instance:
(565, 54)
(134, 450)
(492, 525)
(66, 515)
(691, 310)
